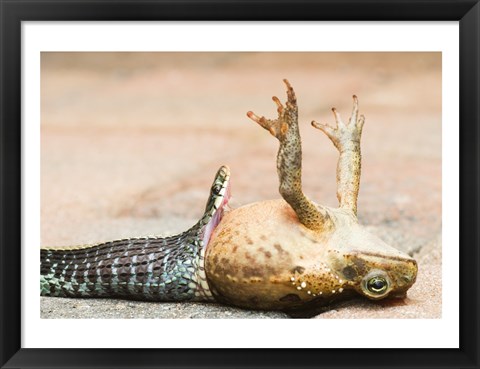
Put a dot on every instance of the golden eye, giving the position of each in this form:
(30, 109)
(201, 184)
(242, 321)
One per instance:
(377, 285)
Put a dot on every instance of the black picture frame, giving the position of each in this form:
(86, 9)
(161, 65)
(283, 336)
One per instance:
(466, 12)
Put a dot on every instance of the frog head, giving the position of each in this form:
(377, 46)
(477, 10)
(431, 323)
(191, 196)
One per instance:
(370, 266)
(377, 276)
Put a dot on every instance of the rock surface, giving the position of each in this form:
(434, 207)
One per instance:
(130, 144)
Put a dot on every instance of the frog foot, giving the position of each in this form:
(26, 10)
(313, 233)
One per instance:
(345, 135)
(287, 115)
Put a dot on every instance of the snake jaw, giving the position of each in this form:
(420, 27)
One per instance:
(214, 221)
(220, 205)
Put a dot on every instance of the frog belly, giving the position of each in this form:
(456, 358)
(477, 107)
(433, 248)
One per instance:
(260, 256)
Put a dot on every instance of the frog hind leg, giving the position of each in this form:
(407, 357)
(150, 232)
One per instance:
(289, 161)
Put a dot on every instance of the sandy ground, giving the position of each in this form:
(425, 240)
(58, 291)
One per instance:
(130, 144)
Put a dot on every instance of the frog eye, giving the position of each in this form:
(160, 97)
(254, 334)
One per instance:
(377, 285)
(216, 189)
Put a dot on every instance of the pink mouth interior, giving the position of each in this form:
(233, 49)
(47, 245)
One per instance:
(216, 218)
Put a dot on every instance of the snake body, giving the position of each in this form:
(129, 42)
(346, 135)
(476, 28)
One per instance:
(149, 268)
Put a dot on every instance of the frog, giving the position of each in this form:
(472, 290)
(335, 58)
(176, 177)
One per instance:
(293, 254)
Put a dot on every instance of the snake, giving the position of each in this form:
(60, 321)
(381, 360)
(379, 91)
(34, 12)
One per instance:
(149, 268)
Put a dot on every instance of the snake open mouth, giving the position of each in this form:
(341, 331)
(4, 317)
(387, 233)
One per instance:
(220, 205)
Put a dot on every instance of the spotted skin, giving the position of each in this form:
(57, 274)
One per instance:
(149, 268)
